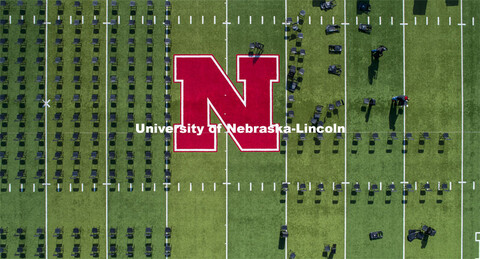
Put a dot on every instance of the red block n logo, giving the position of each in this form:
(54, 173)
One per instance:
(205, 87)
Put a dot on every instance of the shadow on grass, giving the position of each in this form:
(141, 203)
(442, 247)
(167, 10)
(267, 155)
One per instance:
(373, 70)
(420, 7)
(393, 116)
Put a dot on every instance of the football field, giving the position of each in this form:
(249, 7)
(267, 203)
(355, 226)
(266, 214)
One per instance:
(80, 179)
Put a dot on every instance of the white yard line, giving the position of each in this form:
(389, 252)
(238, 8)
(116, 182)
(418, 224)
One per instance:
(461, 170)
(46, 129)
(404, 120)
(226, 134)
(286, 110)
(345, 142)
(106, 127)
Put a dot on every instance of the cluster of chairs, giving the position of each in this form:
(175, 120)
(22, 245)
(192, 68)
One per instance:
(115, 79)
(168, 81)
(113, 250)
(297, 54)
(76, 80)
(21, 251)
(22, 96)
(77, 248)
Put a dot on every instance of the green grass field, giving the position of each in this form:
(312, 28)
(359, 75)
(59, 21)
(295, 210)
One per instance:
(91, 171)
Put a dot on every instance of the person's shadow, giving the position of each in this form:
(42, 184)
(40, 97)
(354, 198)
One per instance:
(393, 115)
(373, 68)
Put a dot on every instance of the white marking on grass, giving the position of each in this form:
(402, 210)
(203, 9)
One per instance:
(309, 186)
(321, 20)
(154, 19)
(286, 143)
(250, 19)
(33, 187)
(262, 187)
(238, 186)
(275, 186)
(131, 187)
(214, 187)
(262, 19)
(203, 187)
(190, 186)
(369, 186)
(309, 19)
(82, 187)
(438, 20)
(391, 20)
(142, 187)
(250, 186)
(178, 186)
(380, 186)
(449, 20)
(415, 20)
(106, 128)
(178, 19)
(403, 24)
(190, 19)
(380, 20)
(473, 21)
(238, 19)
(214, 19)
(34, 19)
(21, 187)
(298, 186)
(70, 187)
(143, 19)
(70, 19)
(118, 187)
(118, 19)
(333, 186)
(82, 19)
(333, 19)
(10, 19)
(426, 20)
(368, 19)
(477, 239)
(404, 120)
(9, 187)
(345, 124)
(154, 187)
(203, 19)
(274, 20)
(415, 186)
(356, 20)
(438, 185)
